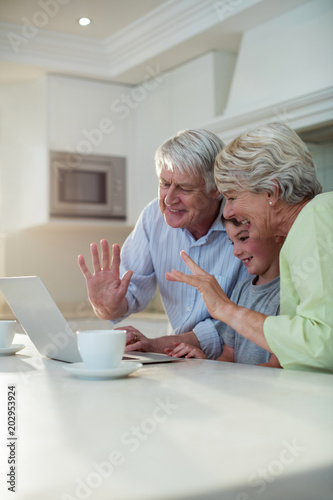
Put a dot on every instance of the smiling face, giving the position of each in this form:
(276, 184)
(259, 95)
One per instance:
(260, 257)
(253, 211)
(185, 204)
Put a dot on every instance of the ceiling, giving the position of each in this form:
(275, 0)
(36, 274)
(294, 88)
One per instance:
(125, 36)
(109, 16)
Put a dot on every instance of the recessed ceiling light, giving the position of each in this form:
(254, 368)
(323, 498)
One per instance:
(84, 21)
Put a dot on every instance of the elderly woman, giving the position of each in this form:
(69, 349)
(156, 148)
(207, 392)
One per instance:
(269, 182)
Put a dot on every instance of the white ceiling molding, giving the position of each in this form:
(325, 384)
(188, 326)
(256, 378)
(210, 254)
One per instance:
(161, 29)
(167, 26)
(299, 113)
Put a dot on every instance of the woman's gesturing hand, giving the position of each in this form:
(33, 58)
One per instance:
(213, 295)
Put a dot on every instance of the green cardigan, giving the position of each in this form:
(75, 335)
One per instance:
(302, 336)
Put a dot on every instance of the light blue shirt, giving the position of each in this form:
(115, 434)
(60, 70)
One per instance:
(263, 298)
(154, 248)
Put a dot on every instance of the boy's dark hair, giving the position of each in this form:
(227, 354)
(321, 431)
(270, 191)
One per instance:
(233, 221)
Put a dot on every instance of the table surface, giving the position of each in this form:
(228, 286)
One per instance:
(193, 429)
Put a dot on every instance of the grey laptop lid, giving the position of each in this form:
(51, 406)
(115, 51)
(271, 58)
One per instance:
(41, 319)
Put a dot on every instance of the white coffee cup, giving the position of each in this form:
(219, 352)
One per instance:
(101, 349)
(7, 332)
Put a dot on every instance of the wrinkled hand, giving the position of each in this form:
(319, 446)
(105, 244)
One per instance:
(213, 295)
(185, 350)
(136, 341)
(106, 290)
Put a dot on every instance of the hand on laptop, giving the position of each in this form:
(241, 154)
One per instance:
(106, 290)
(184, 350)
(136, 341)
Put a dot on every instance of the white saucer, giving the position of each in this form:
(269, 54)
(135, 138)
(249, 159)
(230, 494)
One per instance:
(12, 349)
(81, 371)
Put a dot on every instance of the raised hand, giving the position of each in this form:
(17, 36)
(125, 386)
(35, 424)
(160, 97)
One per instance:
(106, 290)
(213, 295)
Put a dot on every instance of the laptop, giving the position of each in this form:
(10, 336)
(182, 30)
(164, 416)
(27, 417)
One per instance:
(41, 319)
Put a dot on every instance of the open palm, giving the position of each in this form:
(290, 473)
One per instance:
(213, 295)
(106, 290)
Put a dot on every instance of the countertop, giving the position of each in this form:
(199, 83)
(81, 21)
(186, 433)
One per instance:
(192, 429)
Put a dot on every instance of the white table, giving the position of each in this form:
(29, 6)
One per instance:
(186, 430)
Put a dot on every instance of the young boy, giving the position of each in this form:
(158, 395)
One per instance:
(262, 294)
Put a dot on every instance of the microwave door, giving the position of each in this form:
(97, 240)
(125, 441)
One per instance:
(94, 188)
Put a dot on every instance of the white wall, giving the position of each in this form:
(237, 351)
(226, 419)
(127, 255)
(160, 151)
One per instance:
(185, 98)
(23, 153)
(284, 58)
(80, 118)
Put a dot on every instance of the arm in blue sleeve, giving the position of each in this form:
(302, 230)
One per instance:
(210, 341)
(135, 255)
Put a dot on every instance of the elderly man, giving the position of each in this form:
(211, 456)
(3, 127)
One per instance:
(186, 216)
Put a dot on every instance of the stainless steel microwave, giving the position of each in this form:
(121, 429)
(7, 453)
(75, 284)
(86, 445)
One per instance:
(87, 185)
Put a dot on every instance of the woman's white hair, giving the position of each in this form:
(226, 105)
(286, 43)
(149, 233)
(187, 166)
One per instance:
(192, 152)
(268, 155)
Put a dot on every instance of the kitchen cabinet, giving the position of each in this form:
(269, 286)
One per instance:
(53, 113)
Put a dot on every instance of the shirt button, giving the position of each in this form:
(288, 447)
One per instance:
(188, 308)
